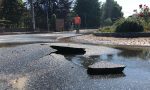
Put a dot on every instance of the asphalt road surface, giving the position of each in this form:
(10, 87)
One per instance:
(34, 66)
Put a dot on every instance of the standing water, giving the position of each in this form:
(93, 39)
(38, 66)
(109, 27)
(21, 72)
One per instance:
(137, 60)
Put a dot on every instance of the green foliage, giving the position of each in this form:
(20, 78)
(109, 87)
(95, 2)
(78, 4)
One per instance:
(4, 23)
(129, 25)
(107, 29)
(111, 9)
(108, 22)
(119, 22)
(12, 10)
(60, 8)
(145, 24)
(89, 11)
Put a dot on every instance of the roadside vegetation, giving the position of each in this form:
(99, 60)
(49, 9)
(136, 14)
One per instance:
(44, 14)
(138, 22)
(93, 13)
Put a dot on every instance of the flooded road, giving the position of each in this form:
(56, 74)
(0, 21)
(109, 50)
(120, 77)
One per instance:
(135, 75)
(36, 67)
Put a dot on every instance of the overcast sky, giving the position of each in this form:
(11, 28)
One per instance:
(129, 5)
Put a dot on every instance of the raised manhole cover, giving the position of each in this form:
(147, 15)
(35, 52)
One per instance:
(104, 67)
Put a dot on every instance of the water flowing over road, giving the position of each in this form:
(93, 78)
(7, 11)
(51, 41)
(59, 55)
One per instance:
(27, 62)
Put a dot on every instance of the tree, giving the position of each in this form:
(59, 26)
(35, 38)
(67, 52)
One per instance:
(111, 9)
(89, 11)
(1, 1)
(108, 22)
(43, 7)
(59, 7)
(12, 10)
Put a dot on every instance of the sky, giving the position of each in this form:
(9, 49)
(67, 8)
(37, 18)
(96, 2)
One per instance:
(129, 5)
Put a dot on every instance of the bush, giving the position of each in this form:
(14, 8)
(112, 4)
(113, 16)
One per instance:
(5, 23)
(130, 25)
(108, 22)
(118, 22)
(107, 29)
(145, 25)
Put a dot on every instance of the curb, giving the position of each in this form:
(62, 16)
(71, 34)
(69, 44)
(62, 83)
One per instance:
(123, 35)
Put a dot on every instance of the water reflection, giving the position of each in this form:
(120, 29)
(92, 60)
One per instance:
(126, 54)
(143, 53)
(83, 61)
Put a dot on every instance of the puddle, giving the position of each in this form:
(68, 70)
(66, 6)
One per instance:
(137, 60)
(126, 55)
(83, 61)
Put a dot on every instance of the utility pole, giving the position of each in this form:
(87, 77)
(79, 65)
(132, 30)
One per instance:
(85, 17)
(33, 15)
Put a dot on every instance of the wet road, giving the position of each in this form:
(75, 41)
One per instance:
(33, 38)
(40, 38)
(35, 67)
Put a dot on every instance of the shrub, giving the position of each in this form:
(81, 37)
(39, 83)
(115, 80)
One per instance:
(107, 29)
(108, 22)
(118, 22)
(145, 25)
(130, 25)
